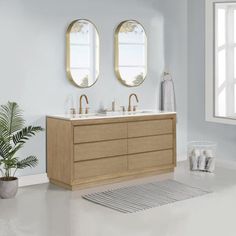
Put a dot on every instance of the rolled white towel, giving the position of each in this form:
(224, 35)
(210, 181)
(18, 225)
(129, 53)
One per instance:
(210, 164)
(202, 162)
(190, 162)
(196, 152)
(210, 160)
(194, 159)
(208, 153)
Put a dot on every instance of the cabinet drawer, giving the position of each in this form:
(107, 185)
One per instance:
(101, 167)
(150, 160)
(146, 128)
(152, 143)
(86, 151)
(93, 133)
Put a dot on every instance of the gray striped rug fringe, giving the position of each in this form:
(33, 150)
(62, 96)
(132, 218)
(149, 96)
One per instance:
(144, 196)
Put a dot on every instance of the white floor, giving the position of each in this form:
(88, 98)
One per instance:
(46, 210)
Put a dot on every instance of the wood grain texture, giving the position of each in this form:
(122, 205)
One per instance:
(87, 151)
(174, 140)
(150, 143)
(150, 160)
(147, 128)
(124, 119)
(93, 133)
(61, 184)
(100, 167)
(134, 174)
(59, 150)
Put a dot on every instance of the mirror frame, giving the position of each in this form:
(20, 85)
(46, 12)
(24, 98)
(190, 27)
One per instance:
(116, 47)
(68, 71)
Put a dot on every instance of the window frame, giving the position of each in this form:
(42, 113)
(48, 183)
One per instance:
(210, 64)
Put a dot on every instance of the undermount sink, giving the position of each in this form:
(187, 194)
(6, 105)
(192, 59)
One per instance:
(142, 112)
(111, 114)
(89, 115)
(126, 113)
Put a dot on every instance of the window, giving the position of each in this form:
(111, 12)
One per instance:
(221, 61)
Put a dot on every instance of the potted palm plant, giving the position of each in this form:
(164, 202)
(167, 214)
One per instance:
(13, 135)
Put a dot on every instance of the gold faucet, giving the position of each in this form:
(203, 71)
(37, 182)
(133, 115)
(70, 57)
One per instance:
(80, 104)
(130, 96)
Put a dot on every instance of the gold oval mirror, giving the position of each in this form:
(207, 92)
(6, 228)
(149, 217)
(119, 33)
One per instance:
(82, 53)
(130, 53)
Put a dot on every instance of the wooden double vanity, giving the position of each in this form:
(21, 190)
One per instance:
(84, 152)
(88, 150)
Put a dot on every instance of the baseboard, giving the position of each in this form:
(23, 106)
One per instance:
(33, 179)
(42, 178)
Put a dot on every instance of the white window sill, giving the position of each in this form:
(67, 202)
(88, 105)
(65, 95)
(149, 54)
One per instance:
(222, 120)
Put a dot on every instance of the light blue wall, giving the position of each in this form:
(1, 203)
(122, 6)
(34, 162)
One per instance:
(32, 57)
(198, 128)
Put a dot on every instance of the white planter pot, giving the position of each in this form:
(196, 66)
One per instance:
(8, 188)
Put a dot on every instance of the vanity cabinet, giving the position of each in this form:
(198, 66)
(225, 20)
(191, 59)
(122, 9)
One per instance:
(89, 152)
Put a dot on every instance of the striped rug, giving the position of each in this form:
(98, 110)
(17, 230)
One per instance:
(140, 197)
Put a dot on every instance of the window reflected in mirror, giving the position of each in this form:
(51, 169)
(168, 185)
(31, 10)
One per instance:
(82, 53)
(130, 53)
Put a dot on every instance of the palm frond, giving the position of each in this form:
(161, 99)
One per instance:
(30, 161)
(5, 148)
(15, 149)
(13, 136)
(23, 135)
(11, 119)
(10, 163)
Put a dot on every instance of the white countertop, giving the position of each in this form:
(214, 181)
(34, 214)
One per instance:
(110, 115)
